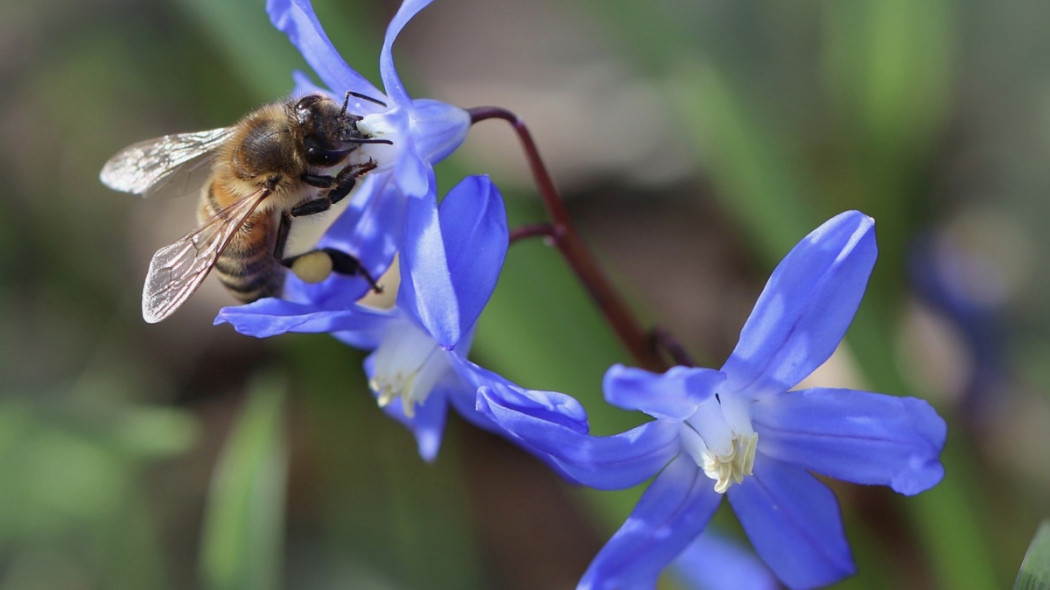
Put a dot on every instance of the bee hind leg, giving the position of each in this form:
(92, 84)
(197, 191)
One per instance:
(316, 265)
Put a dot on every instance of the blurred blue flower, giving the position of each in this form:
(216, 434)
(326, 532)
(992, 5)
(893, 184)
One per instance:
(739, 431)
(421, 132)
(968, 290)
(449, 268)
(713, 562)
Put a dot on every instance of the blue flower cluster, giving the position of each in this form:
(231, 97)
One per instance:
(740, 431)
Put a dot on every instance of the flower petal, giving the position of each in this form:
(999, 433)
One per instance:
(391, 81)
(671, 514)
(549, 406)
(438, 128)
(794, 524)
(426, 289)
(713, 562)
(606, 463)
(271, 316)
(371, 227)
(414, 175)
(805, 308)
(428, 422)
(296, 19)
(673, 395)
(856, 436)
(474, 229)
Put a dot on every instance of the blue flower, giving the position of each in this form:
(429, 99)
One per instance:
(449, 268)
(712, 562)
(739, 432)
(421, 132)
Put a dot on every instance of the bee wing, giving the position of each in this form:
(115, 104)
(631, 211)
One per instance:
(177, 270)
(148, 166)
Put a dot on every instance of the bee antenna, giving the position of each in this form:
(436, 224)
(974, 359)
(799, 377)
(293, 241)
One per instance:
(346, 101)
(350, 93)
(369, 140)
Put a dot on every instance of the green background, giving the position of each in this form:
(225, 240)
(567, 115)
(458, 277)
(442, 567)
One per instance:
(695, 143)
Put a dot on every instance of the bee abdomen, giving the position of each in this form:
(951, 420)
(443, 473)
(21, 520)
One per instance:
(247, 267)
(252, 277)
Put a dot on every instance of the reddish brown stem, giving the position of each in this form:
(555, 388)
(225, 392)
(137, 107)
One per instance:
(535, 230)
(665, 341)
(572, 247)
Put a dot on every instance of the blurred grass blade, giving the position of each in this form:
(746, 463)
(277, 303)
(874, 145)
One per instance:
(754, 171)
(243, 525)
(1035, 569)
(264, 58)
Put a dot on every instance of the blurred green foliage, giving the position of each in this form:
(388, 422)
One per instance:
(1035, 569)
(171, 457)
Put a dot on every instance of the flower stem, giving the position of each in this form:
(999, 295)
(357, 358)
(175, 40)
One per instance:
(534, 230)
(572, 247)
(665, 341)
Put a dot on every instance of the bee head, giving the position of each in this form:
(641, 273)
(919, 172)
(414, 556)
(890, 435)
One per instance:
(329, 132)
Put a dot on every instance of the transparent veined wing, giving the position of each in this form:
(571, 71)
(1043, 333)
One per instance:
(147, 167)
(177, 270)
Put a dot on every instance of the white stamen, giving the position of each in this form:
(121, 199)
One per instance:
(408, 364)
(729, 469)
(720, 439)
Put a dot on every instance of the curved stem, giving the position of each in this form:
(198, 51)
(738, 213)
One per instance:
(572, 247)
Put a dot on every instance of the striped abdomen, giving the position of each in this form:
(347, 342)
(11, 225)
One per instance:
(248, 267)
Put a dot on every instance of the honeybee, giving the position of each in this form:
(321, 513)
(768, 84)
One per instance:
(285, 160)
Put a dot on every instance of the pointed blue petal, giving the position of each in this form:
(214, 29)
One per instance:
(296, 19)
(671, 514)
(270, 316)
(856, 436)
(414, 175)
(334, 293)
(713, 562)
(794, 524)
(391, 81)
(673, 395)
(805, 308)
(438, 128)
(371, 227)
(548, 406)
(474, 229)
(427, 424)
(426, 290)
(606, 463)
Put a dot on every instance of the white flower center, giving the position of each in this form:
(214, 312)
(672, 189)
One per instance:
(380, 126)
(729, 469)
(408, 364)
(720, 439)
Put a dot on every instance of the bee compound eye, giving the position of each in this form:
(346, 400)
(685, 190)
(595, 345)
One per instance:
(306, 102)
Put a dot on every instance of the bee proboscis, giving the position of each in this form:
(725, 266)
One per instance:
(282, 161)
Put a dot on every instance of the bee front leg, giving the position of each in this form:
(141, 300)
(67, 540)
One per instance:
(347, 178)
(339, 187)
